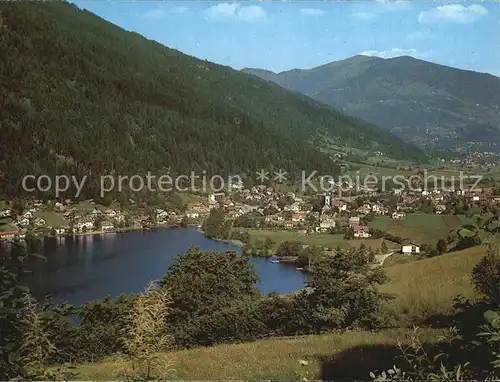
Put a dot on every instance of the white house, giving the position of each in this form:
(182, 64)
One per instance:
(325, 225)
(23, 222)
(40, 222)
(85, 224)
(192, 215)
(362, 232)
(8, 235)
(161, 214)
(5, 213)
(107, 226)
(398, 215)
(340, 204)
(410, 249)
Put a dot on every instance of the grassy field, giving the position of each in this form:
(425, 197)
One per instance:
(427, 287)
(348, 356)
(422, 289)
(6, 225)
(324, 239)
(422, 228)
(53, 219)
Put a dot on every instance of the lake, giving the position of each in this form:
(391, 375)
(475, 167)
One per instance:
(86, 268)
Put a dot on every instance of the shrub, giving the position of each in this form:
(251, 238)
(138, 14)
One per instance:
(486, 276)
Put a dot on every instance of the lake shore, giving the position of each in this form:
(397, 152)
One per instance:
(238, 243)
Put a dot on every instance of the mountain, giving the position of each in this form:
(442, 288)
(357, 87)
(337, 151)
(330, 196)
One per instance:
(82, 96)
(434, 106)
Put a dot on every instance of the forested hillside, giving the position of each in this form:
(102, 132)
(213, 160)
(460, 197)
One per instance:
(82, 96)
(435, 106)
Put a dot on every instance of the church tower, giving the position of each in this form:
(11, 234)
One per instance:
(328, 200)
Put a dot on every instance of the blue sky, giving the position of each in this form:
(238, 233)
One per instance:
(300, 34)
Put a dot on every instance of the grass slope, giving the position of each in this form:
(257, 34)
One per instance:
(426, 288)
(423, 289)
(422, 228)
(324, 239)
(349, 356)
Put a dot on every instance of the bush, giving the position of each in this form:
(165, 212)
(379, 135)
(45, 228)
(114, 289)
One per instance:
(486, 276)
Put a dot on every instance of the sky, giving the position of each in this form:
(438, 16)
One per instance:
(283, 35)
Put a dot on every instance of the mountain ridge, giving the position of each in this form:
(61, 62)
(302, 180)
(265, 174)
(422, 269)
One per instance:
(83, 96)
(429, 104)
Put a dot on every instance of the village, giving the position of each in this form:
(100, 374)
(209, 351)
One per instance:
(356, 216)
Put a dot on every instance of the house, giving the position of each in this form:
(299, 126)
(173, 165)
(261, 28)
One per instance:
(192, 215)
(161, 214)
(58, 206)
(28, 215)
(110, 213)
(299, 217)
(398, 215)
(23, 222)
(86, 224)
(340, 204)
(325, 225)
(40, 222)
(60, 231)
(410, 248)
(440, 208)
(379, 209)
(216, 197)
(5, 213)
(107, 226)
(199, 207)
(364, 209)
(354, 221)
(290, 224)
(9, 235)
(295, 207)
(362, 232)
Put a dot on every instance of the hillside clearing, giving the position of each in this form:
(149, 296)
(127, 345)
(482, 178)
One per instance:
(324, 239)
(421, 291)
(422, 228)
(426, 288)
(350, 355)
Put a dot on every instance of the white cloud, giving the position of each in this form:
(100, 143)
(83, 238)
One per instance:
(251, 14)
(395, 52)
(233, 11)
(312, 12)
(221, 11)
(456, 13)
(420, 35)
(392, 5)
(365, 16)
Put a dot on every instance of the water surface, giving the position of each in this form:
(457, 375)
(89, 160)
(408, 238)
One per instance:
(92, 267)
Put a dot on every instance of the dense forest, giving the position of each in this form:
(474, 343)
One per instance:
(81, 96)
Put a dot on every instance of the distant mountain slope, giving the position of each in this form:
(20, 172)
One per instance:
(433, 105)
(80, 95)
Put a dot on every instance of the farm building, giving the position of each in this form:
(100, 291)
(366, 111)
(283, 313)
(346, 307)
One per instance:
(410, 248)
